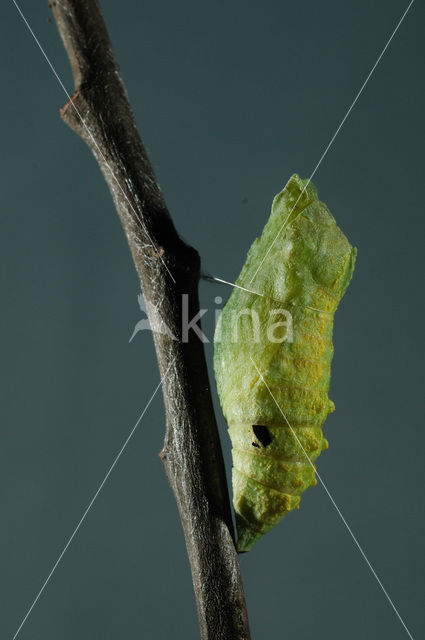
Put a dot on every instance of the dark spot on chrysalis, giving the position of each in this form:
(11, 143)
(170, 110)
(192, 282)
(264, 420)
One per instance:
(262, 434)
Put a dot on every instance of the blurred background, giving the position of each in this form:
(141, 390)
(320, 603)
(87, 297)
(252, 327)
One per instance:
(231, 99)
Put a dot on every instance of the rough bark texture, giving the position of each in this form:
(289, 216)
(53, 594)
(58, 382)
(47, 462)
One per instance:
(100, 113)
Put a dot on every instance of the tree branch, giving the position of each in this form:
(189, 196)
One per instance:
(100, 113)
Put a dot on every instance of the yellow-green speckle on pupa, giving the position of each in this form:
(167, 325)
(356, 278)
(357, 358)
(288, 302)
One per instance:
(308, 264)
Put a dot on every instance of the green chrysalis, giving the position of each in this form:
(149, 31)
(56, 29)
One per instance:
(273, 350)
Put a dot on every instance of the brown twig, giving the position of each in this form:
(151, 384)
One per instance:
(100, 113)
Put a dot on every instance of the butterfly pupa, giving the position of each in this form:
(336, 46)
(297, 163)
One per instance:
(272, 356)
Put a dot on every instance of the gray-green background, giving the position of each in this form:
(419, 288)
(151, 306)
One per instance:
(231, 99)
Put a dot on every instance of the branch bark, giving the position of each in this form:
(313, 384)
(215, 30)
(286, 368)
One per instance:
(100, 113)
